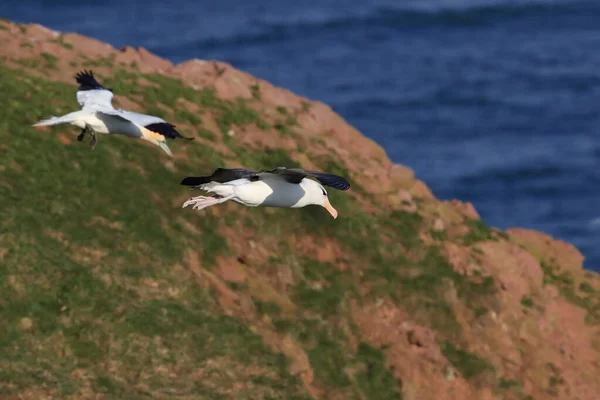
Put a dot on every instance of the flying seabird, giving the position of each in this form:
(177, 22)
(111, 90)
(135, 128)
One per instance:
(280, 187)
(97, 115)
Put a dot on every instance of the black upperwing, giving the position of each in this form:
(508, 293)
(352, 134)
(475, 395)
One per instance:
(295, 175)
(167, 130)
(291, 175)
(221, 175)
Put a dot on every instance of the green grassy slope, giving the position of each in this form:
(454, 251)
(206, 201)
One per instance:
(96, 295)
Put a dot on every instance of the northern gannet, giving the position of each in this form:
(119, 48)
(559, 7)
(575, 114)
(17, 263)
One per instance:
(97, 115)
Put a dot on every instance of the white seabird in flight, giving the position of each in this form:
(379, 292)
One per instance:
(281, 187)
(97, 115)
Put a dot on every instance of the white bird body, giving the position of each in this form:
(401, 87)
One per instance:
(97, 115)
(281, 187)
(270, 191)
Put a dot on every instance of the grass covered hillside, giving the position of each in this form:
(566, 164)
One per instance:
(109, 289)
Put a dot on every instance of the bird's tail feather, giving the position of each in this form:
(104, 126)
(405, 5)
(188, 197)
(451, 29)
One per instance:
(80, 115)
(54, 121)
(165, 147)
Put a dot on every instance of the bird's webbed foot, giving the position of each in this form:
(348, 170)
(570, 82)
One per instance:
(200, 202)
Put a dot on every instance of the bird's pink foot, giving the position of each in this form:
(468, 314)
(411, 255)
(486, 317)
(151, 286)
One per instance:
(200, 202)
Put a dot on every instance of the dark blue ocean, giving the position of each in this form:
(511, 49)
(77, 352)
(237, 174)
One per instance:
(495, 102)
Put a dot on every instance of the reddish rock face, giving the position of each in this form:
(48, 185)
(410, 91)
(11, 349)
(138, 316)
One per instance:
(231, 272)
(466, 209)
(543, 245)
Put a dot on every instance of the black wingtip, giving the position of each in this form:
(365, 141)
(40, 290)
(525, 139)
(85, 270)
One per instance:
(167, 130)
(84, 75)
(334, 181)
(87, 81)
(340, 186)
(343, 186)
(184, 137)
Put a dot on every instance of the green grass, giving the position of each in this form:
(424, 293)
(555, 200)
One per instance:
(284, 128)
(206, 134)
(470, 365)
(267, 308)
(324, 288)
(440, 236)
(407, 225)
(586, 287)
(480, 232)
(566, 286)
(554, 380)
(512, 385)
(375, 381)
(157, 111)
(255, 89)
(328, 358)
(236, 114)
(99, 62)
(526, 302)
(60, 41)
(29, 63)
(265, 159)
(181, 114)
(361, 374)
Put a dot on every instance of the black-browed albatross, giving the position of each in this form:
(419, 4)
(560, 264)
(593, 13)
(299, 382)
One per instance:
(97, 115)
(280, 187)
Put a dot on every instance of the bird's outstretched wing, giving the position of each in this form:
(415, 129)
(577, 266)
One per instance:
(155, 124)
(291, 175)
(295, 175)
(221, 175)
(91, 94)
(103, 113)
(141, 119)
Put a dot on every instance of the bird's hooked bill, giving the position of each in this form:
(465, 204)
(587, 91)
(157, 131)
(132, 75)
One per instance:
(330, 208)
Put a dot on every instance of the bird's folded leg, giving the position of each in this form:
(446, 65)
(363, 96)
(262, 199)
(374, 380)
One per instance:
(82, 134)
(201, 202)
(94, 137)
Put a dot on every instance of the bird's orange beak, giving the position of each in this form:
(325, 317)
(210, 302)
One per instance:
(330, 208)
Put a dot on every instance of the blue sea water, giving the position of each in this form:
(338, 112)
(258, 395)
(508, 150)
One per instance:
(495, 102)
